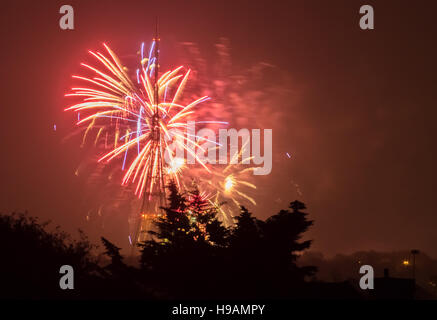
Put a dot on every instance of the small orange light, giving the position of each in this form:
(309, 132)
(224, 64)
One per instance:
(405, 262)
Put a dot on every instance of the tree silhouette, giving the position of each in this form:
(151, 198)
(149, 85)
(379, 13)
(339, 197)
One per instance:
(246, 232)
(185, 244)
(121, 281)
(245, 257)
(32, 256)
(282, 234)
(113, 252)
(284, 230)
(174, 227)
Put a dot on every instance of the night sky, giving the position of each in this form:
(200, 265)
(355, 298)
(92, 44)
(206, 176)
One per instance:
(359, 122)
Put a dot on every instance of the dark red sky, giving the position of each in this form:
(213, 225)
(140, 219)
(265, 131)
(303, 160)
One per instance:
(361, 132)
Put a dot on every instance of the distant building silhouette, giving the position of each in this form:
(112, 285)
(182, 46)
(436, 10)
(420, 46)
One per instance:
(393, 288)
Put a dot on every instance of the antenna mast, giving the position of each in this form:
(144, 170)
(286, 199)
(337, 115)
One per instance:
(153, 201)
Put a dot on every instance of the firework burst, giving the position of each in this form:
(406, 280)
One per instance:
(135, 117)
(230, 187)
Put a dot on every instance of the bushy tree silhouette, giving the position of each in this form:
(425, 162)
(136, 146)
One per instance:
(246, 231)
(282, 233)
(244, 254)
(185, 245)
(31, 258)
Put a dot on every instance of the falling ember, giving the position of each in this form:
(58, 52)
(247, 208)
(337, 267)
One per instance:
(229, 183)
(229, 187)
(176, 165)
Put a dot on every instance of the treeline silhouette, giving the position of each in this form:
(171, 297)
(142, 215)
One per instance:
(189, 254)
